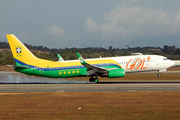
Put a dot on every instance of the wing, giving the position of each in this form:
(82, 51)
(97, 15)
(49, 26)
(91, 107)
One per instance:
(92, 69)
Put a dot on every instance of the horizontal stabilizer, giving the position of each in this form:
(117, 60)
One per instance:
(15, 66)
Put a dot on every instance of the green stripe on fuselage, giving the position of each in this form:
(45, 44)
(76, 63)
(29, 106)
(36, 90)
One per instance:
(54, 73)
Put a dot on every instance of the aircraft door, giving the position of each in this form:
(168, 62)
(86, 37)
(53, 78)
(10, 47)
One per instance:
(157, 60)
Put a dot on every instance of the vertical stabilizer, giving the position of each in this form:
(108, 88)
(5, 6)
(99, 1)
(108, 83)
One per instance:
(20, 53)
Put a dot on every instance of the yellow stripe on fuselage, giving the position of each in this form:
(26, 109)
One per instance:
(69, 64)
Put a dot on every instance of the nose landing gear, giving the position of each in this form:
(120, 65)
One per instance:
(92, 79)
(158, 75)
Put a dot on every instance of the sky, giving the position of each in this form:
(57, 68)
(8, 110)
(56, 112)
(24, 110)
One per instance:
(91, 23)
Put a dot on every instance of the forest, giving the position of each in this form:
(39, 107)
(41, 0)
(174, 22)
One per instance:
(6, 56)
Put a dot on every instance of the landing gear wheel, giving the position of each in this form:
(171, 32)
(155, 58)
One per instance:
(96, 80)
(159, 75)
(93, 80)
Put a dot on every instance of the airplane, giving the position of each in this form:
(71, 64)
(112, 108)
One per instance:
(110, 67)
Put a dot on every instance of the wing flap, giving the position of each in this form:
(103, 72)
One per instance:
(91, 72)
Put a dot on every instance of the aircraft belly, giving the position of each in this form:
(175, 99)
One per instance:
(53, 73)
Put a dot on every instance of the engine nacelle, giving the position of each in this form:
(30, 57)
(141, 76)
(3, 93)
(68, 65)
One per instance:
(116, 73)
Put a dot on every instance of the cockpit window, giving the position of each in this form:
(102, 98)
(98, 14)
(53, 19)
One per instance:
(165, 59)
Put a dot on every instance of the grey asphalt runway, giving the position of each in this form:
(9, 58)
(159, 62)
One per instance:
(92, 87)
(20, 83)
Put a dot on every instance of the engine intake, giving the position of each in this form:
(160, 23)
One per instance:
(116, 73)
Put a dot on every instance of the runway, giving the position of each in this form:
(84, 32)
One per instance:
(92, 87)
(15, 82)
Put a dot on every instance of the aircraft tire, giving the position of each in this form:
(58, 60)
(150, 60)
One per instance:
(158, 75)
(96, 80)
(91, 80)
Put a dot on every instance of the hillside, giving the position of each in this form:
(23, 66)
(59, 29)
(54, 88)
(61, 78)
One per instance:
(90, 52)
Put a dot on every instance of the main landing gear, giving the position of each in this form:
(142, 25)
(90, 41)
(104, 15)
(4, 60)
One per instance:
(93, 79)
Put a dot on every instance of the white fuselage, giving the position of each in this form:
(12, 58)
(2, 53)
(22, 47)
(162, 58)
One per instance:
(142, 63)
(139, 63)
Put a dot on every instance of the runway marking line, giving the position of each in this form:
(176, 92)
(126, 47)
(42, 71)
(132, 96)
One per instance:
(12, 93)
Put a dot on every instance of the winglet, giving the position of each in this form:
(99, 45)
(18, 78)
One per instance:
(60, 58)
(82, 61)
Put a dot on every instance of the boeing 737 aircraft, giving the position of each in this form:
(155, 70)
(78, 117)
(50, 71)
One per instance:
(110, 67)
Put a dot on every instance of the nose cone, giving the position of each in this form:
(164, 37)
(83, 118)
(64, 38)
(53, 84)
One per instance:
(172, 63)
